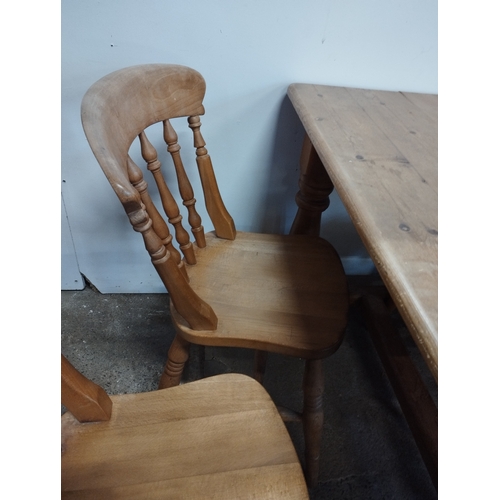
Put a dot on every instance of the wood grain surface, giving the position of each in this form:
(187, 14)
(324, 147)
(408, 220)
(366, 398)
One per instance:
(279, 293)
(220, 437)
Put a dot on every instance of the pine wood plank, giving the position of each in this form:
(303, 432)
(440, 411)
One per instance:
(220, 437)
(275, 481)
(156, 458)
(427, 103)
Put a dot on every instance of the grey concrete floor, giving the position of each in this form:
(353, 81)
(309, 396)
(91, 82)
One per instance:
(120, 342)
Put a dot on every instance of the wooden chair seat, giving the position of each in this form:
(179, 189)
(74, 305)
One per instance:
(219, 437)
(276, 293)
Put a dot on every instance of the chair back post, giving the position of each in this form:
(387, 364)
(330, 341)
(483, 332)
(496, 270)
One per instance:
(222, 221)
(198, 314)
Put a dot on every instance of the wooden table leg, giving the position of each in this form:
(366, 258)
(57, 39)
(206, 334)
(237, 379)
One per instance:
(312, 200)
(415, 401)
(315, 187)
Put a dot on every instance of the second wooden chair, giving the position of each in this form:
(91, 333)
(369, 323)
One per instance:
(217, 438)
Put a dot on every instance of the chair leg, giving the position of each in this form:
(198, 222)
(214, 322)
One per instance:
(312, 418)
(177, 357)
(259, 365)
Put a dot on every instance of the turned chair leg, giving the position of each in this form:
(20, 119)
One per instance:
(312, 418)
(178, 354)
(259, 365)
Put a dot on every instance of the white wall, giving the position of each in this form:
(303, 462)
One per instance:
(248, 53)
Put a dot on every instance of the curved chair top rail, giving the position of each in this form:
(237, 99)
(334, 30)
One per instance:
(122, 104)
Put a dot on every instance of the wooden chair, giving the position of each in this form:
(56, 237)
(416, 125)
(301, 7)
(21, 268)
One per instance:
(273, 293)
(220, 437)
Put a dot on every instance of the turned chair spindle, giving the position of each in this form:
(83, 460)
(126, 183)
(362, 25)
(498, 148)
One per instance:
(159, 225)
(185, 187)
(169, 204)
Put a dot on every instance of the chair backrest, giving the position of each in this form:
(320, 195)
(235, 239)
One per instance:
(115, 111)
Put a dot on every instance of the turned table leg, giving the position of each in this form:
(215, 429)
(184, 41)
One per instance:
(312, 200)
(315, 187)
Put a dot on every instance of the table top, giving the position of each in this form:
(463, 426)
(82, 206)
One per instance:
(380, 149)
